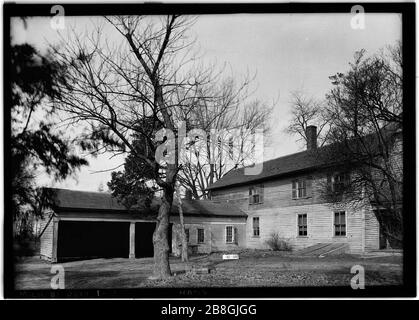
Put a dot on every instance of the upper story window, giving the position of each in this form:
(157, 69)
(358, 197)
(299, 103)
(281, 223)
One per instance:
(340, 223)
(256, 194)
(338, 182)
(201, 235)
(255, 226)
(299, 188)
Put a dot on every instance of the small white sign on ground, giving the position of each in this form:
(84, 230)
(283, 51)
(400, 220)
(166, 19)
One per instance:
(230, 256)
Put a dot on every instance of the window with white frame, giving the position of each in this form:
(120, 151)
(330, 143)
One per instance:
(230, 234)
(256, 230)
(302, 225)
(340, 223)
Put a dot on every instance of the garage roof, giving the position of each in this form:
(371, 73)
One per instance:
(65, 199)
(74, 199)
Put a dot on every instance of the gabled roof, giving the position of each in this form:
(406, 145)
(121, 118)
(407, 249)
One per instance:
(305, 161)
(68, 200)
(74, 199)
(297, 162)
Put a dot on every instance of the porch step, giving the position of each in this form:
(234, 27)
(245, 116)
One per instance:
(323, 249)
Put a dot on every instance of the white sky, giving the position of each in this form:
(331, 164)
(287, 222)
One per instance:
(288, 51)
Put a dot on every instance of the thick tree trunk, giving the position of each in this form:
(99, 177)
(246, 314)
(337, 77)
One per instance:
(160, 239)
(183, 234)
(184, 252)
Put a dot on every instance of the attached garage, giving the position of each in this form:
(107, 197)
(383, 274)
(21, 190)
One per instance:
(86, 225)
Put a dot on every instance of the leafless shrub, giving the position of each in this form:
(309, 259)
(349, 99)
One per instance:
(277, 243)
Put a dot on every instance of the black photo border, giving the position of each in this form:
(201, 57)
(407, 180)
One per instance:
(407, 11)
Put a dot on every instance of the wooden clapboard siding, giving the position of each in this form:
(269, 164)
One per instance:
(47, 237)
(396, 158)
(204, 247)
(278, 213)
(239, 196)
(372, 231)
(208, 220)
(214, 233)
(218, 236)
(214, 228)
(319, 226)
(277, 193)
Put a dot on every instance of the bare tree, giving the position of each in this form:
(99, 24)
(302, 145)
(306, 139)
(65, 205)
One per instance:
(224, 141)
(184, 253)
(135, 90)
(305, 112)
(365, 104)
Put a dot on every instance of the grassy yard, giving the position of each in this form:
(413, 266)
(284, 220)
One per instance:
(254, 268)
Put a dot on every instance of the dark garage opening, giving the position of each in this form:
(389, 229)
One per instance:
(87, 240)
(144, 239)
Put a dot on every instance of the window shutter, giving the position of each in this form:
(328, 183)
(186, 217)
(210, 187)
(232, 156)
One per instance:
(236, 241)
(304, 187)
(261, 188)
(250, 196)
(335, 183)
(347, 179)
(342, 217)
(329, 183)
(294, 189)
(309, 187)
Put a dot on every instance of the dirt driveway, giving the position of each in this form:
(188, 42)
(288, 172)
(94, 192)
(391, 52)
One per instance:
(252, 269)
(33, 273)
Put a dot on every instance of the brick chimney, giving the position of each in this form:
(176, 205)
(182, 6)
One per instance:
(311, 134)
(188, 194)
